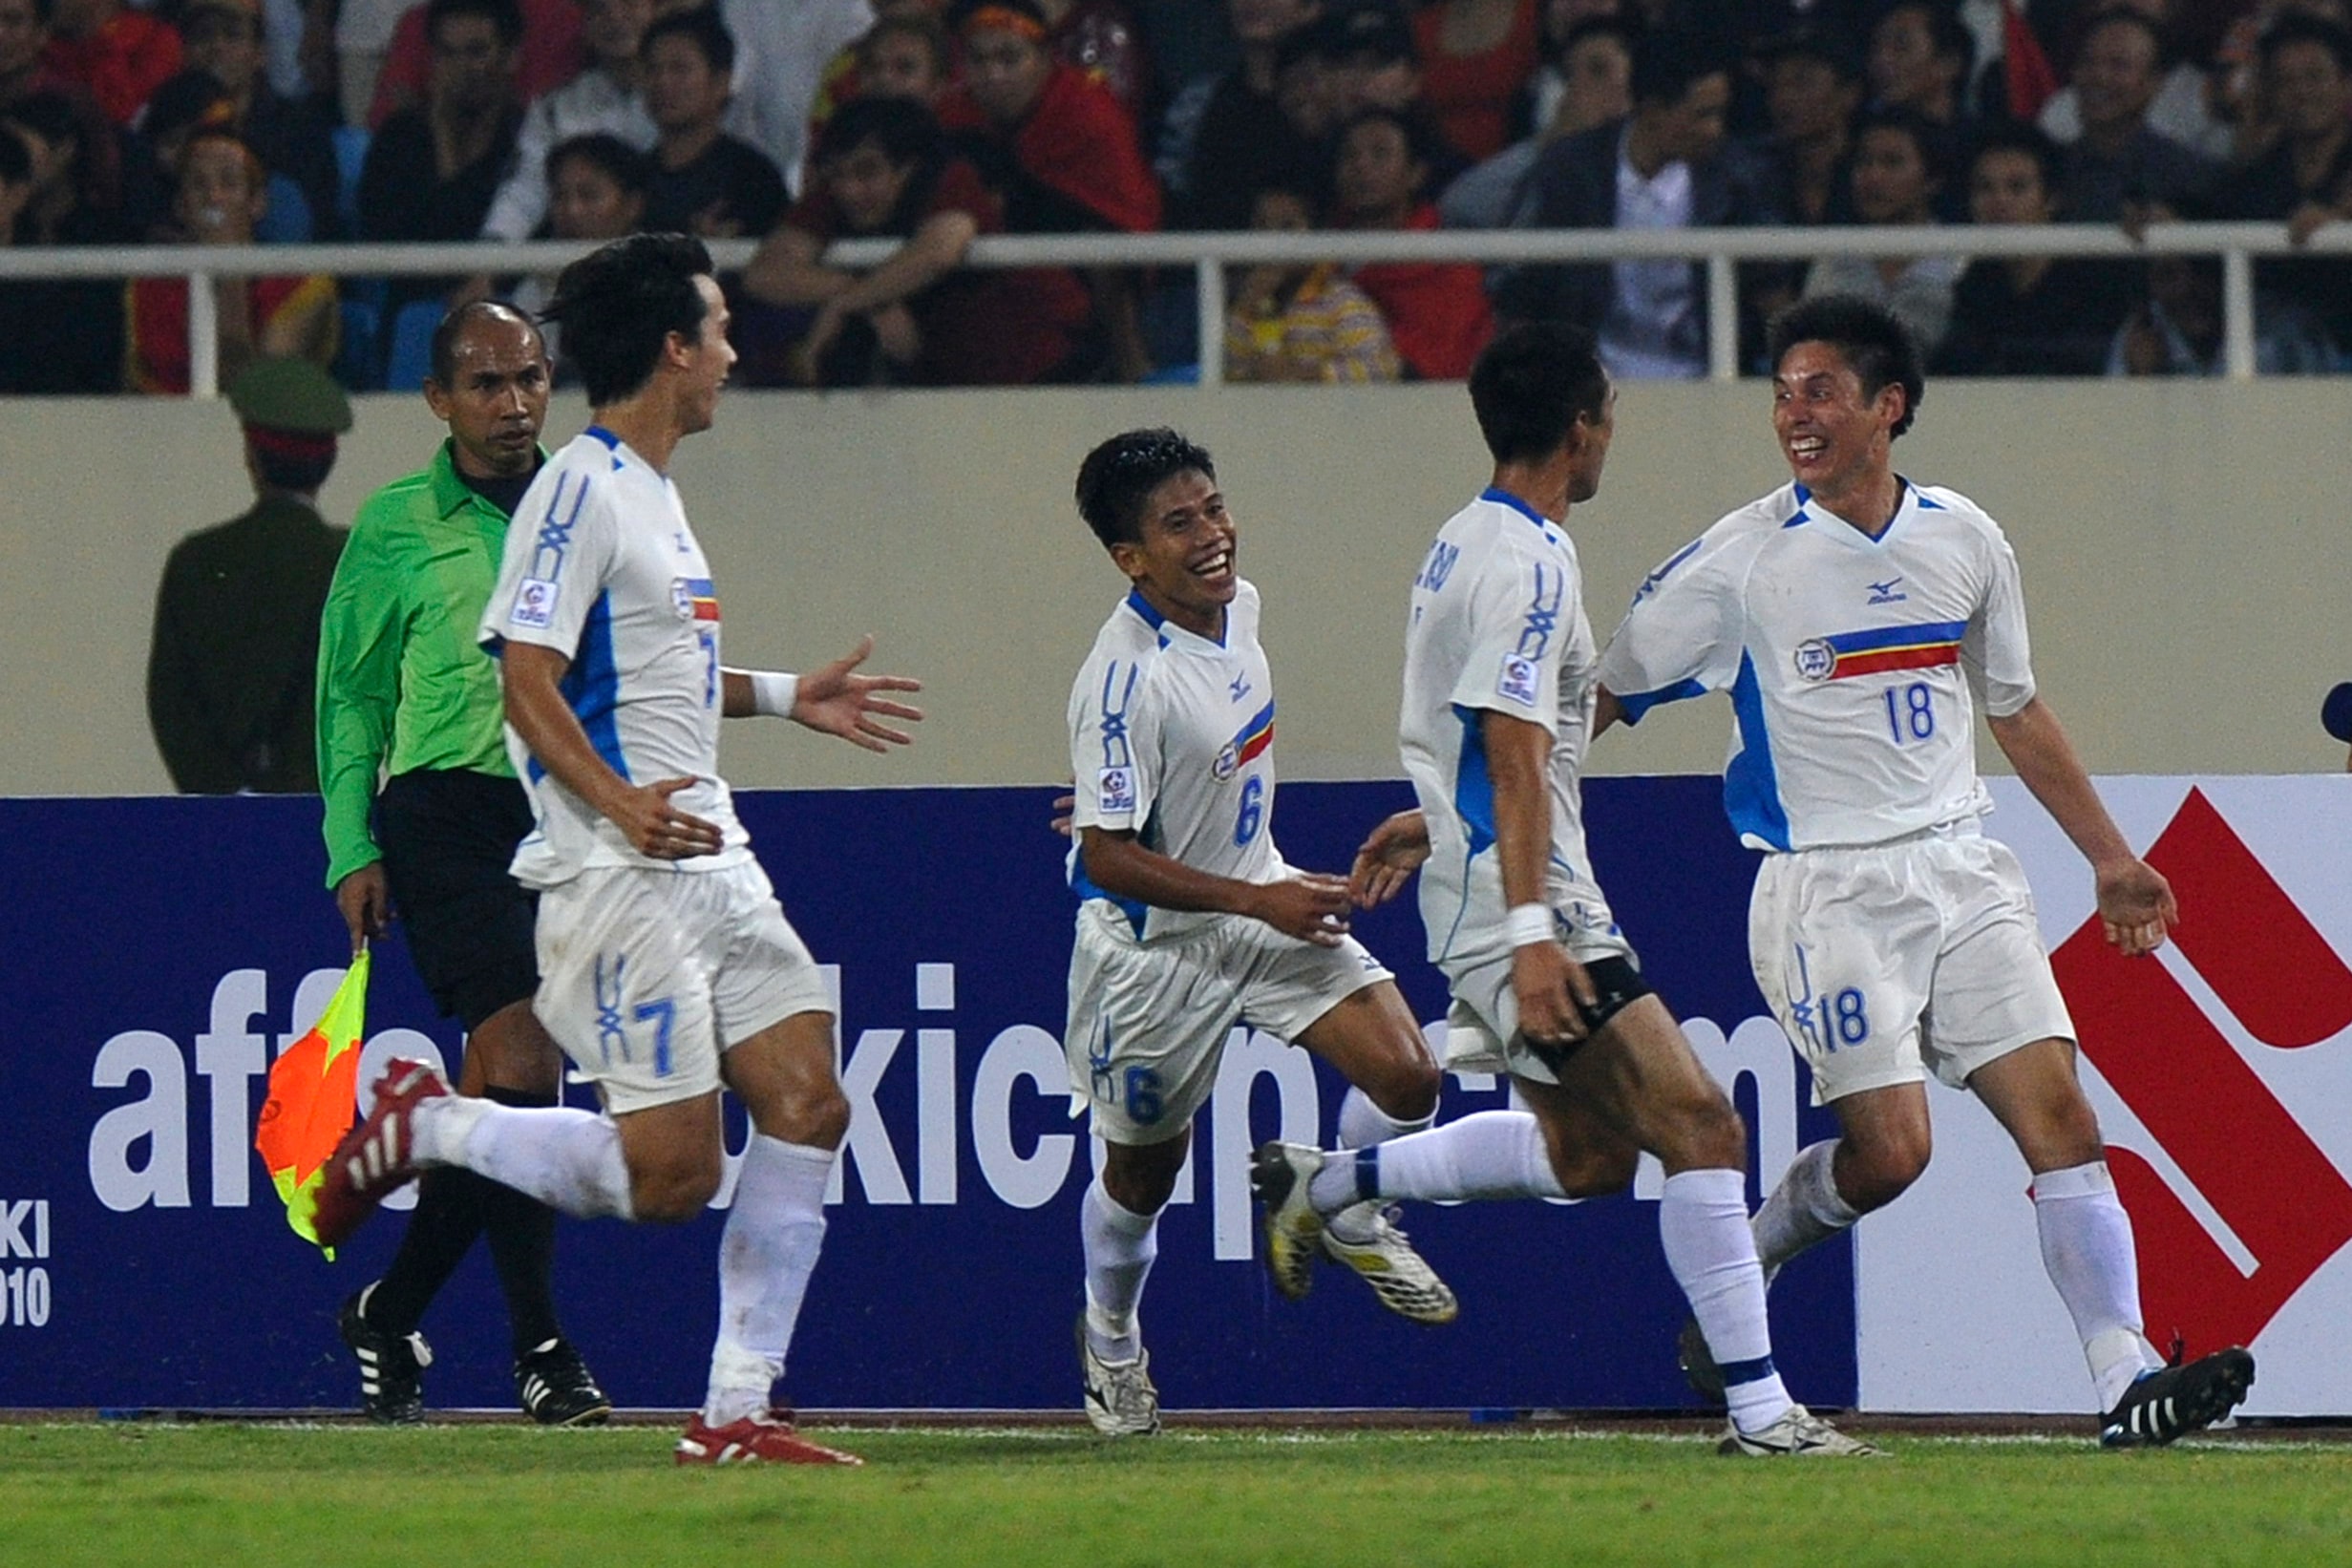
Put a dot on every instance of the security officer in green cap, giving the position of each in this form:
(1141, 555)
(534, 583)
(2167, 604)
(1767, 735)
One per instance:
(230, 673)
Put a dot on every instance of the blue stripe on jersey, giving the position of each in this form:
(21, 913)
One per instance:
(1158, 622)
(598, 432)
(555, 537)
(592, 685)
(1750, 785)
(1474, 787)
(1878, 637)
(1082, 884)
(1640, 703)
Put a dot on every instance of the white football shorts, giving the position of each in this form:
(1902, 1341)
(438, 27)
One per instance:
(1482, 1022)
(1884, 961)
(1148, 1023)
(646, 975)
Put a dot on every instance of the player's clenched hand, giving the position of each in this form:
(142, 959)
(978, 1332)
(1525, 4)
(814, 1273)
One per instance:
(2136, 907)
(657, 828)
(1308, 905)
(1064, 813)
(1389, 860)
(838, 700)
(1552, 990)
(365, 898)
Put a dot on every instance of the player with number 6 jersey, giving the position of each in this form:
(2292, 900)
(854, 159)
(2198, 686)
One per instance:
(1189, 921)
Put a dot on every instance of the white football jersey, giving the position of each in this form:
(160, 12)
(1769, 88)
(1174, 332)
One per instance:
(601, 567)
(1497, 626)
(1171, 739)
(1850, 661)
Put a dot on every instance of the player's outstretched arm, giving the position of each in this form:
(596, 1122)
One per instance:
(1388, 858)
(2135, 902)
(1307, 905)
(836, 700)
(535, 706)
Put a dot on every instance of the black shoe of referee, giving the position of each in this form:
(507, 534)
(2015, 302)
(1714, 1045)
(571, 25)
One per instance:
(556, 1390)
(392, 1382)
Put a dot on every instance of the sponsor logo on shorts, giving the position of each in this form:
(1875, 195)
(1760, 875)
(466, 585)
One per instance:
(534, 605)
(1115, 790)
(1815, 660)
(1518, 682)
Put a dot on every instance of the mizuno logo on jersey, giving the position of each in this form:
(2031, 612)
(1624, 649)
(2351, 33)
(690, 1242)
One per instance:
(1880, 649)
(1884, 593)
(1244, 748)
(695, 599)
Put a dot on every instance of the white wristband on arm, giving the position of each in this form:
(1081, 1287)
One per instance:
(773, 691)
(1528, 925)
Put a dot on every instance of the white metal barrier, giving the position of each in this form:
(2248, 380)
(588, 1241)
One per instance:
(1207, 255)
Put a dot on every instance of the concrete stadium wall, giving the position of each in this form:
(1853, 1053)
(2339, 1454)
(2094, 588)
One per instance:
(2185, 549)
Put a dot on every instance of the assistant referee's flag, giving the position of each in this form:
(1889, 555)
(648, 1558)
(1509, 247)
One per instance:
(314, 1101)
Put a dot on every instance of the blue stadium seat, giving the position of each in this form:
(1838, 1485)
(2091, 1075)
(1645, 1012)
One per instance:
(351, 153)
(411, 339)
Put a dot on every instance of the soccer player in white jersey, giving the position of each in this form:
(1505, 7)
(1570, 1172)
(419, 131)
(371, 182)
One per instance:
(1850, 613)
(1499, 695)
(666, 966)
(1190, 921)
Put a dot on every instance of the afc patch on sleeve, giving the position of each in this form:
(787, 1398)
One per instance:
(1518, 681)
(1114, 790)
(534, 605)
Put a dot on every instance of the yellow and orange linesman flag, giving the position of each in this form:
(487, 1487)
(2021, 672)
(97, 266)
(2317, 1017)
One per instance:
(314, 1101)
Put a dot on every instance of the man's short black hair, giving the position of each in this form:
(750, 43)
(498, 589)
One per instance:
(2300, 27)
(1933, 142)
(1119, 476)
(2017, 136)
(616, 159)
(1871, 338)
(452, 327)
(1666, 64)
(700, 27)
(503, 15)
(1532, 384)
(903, 131)
(280, 471)
(620, 303)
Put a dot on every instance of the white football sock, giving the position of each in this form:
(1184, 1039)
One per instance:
(1120, 1246)
(568, 1159)
(2087, 1247)
(766, 1255)
(1702, 1221)
(1484, 1154)
(1805, 1208)
(1364, 1125)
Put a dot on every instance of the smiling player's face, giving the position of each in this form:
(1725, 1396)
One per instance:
(1834, 439)
(1183, 564)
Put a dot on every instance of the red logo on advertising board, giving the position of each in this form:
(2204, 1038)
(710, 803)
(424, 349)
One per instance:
(2244, 1153)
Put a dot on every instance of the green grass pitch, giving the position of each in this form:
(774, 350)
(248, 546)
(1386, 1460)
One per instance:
(347, 1496)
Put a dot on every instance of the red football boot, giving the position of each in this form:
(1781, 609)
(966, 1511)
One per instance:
(767, 1438)
(375, 1157)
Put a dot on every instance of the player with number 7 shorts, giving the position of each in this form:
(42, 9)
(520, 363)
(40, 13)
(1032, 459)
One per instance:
(1190, 921)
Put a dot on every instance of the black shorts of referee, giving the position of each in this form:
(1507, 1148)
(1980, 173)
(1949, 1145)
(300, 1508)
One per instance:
(448, 835)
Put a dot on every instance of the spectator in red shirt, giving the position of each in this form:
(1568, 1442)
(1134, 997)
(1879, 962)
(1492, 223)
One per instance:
(1475, 58)
(118, 54)
(552, 53)
(884, 167)
(1436, 310)
(1074, 160)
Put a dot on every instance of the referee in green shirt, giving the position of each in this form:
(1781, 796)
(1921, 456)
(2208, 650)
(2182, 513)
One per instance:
(404, 693)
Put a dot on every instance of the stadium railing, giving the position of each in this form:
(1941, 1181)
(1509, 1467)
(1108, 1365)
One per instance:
(1208, 255)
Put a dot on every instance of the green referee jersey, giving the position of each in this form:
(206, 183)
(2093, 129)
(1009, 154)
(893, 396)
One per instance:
(402, 683)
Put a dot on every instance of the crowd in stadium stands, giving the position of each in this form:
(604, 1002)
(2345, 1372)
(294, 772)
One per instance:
(935, 122)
